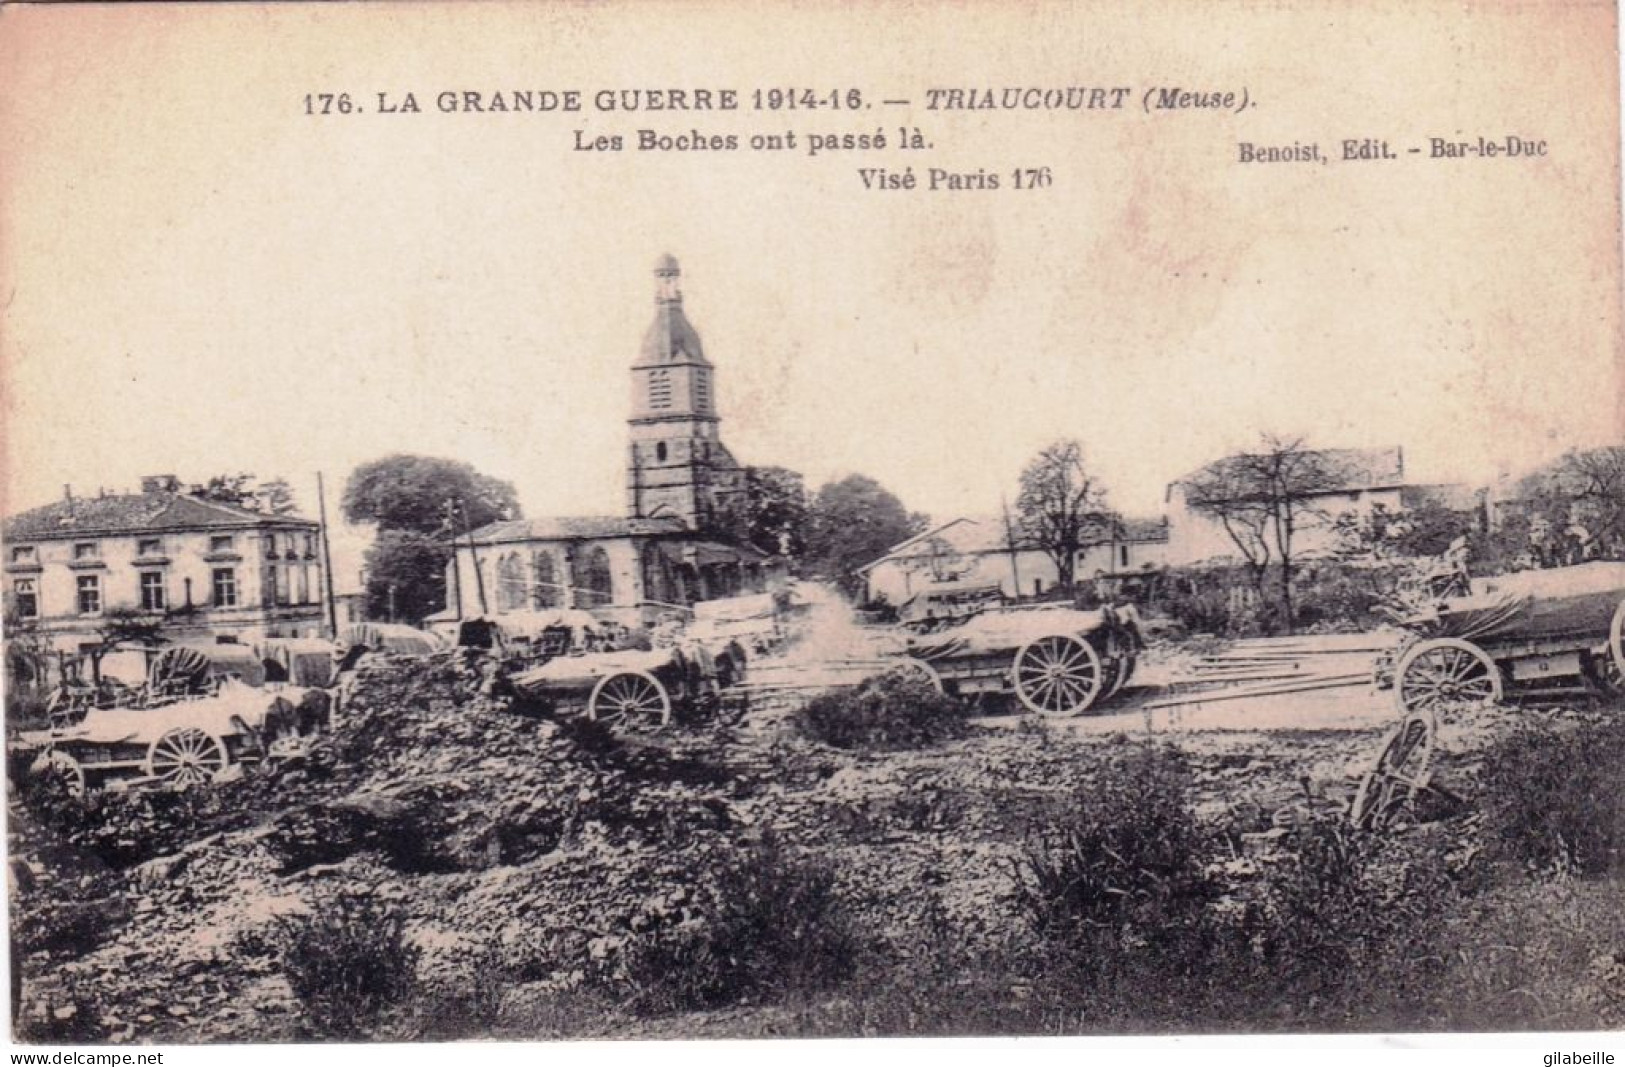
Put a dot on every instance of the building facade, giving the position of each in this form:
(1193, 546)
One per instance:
(980, 552)
(667, 552)
(1357, 482)
(201, 569)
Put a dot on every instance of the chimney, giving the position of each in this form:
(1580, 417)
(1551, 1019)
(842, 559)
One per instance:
(160, 483)
(67, 491)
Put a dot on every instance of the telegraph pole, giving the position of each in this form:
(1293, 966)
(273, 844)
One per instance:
(327, 559)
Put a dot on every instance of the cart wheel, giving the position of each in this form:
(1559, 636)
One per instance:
(1122, 671)
(1057, 675)
(1401, 771)
(1616, 639)
(185, 756)
(629, 698)
(64, 768)
(909, 667)
(1443, 671)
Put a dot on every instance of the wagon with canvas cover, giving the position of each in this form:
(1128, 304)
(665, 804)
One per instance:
(637, 688)
(1054, 661)
(1516, 635)
(179, 744)
(1534, 633)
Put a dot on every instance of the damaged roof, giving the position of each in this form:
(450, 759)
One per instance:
(136, 513)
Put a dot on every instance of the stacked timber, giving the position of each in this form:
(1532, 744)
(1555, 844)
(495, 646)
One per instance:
(1278, 666)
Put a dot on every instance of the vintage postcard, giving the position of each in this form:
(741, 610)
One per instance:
(703, 519)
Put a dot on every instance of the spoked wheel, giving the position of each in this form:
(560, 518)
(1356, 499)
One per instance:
(1616, 640)
(1445, 671)
(1122, 671)
(184, 757)
(1401, 771)
(1057, 675)
(631, 698)
(909, 667)
(64, 768)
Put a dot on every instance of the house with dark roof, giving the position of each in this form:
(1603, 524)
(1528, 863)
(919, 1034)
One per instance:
(202, 569)
(666, 553)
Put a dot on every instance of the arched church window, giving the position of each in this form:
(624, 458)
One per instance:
(510, 583)
(545, 591)
(593, 582)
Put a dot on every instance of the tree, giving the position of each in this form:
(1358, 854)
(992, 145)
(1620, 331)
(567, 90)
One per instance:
(771, 514)
(853, 522)
(405, 492)
(1571, 510)
(1061, 508)
(122, 626)
(1262, 499)
(406, 575)
(420, 504)
(274, 497)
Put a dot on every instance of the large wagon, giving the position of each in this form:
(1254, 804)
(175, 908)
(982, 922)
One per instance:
(1055, 661)
(179, 744)
(635, 687)
(1518, 635)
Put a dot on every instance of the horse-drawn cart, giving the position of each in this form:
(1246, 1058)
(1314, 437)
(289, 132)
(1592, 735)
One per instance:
(1527, 634)
(180, 744)
(635, 688)
(1054, 661)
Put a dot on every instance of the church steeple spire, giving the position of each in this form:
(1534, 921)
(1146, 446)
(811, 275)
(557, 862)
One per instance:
(678, 463)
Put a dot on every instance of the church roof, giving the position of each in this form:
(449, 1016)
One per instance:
(671, 339)
(569, 528)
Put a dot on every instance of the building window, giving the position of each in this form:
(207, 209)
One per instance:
(546, 585)
(87, 550)
(152, 591)
(270, 546)
(304, 585)
(23, 554)
(90, 594)
(284, 585)
(660, 452)
(659, 389)
(592, 579)
(149, 546)
(225, 587)
(25, 594)
(702, 390)
(510, 583)
(310, 546)
(222, 543)
(1122, 556)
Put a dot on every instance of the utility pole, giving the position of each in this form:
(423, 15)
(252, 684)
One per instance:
(327, 561)
(1010, 543)
(474, 553)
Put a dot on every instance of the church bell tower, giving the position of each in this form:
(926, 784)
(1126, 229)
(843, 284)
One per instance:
(678, 464)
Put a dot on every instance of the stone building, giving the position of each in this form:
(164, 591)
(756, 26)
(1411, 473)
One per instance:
(202, 569)
(670, 549)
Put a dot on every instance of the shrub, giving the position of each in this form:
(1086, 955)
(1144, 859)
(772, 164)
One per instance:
(767, 926)
(1553, 801)
(893, 710)
(1353, 925)
(348, 962)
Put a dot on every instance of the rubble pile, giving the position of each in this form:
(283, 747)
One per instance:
(503, 832)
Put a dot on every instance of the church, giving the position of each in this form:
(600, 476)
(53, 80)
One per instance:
(671, 548)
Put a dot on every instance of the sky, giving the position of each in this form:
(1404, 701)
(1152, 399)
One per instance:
(197, 277)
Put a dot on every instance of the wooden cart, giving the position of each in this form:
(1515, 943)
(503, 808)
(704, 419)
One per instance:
(1535, 633)
(1055, 661)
